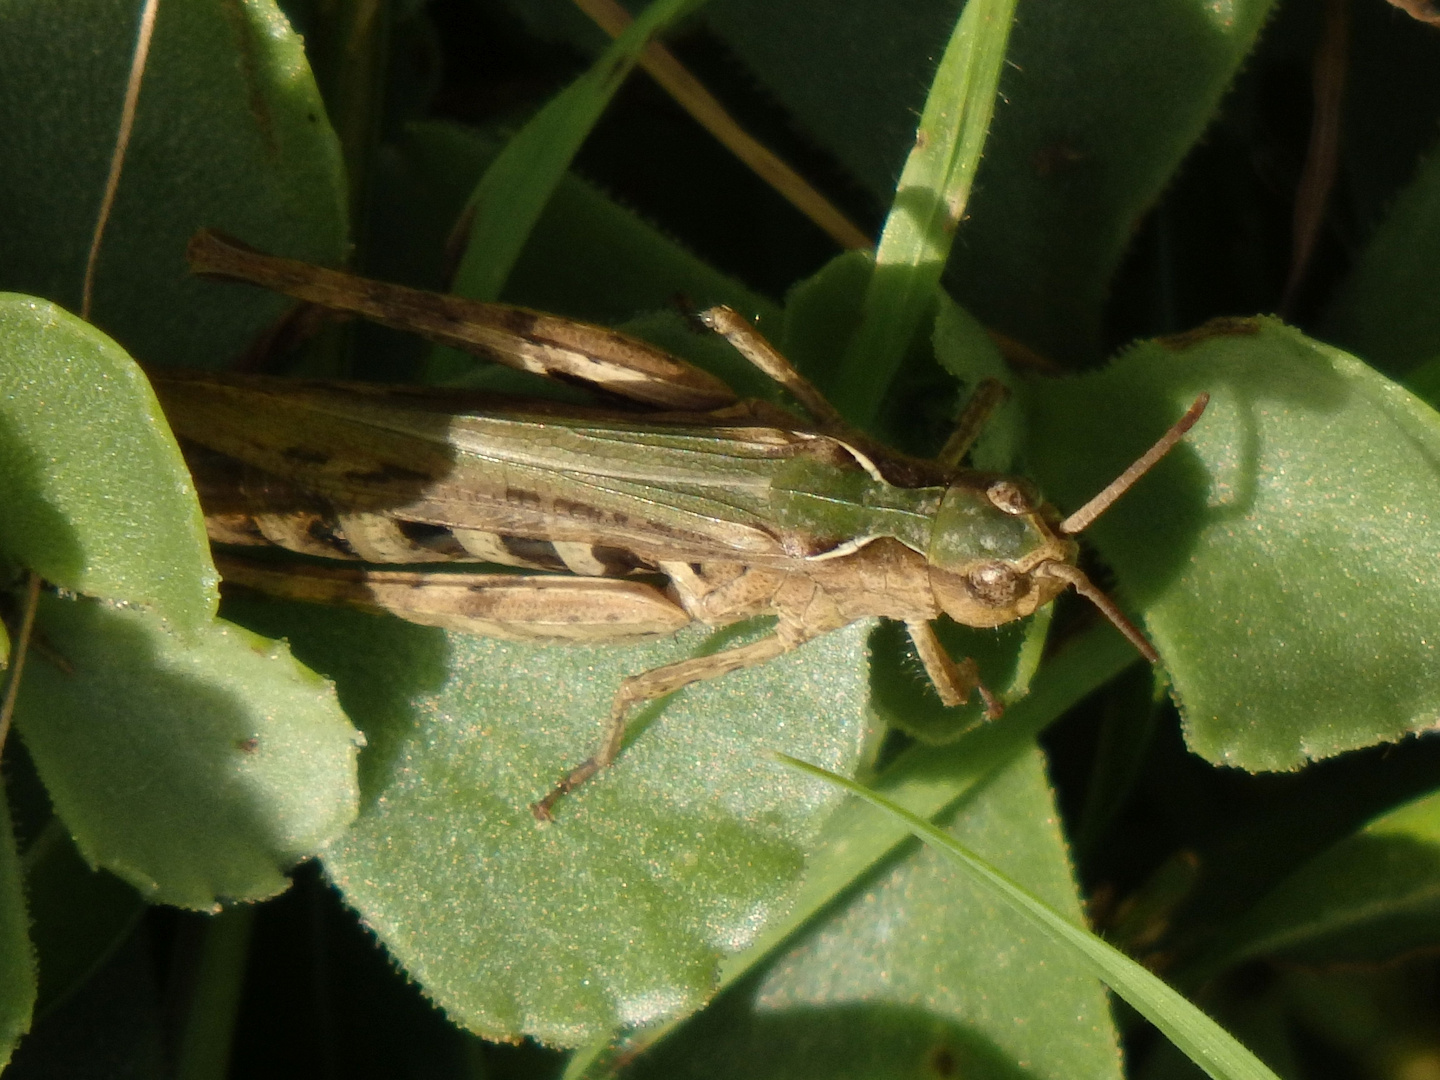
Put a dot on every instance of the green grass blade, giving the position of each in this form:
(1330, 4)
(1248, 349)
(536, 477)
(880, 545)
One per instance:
(1202, 1040)
(930, 781)
(508, 200)
(929, 205)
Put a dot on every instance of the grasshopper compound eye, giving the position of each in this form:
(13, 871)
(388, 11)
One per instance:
(997, 584)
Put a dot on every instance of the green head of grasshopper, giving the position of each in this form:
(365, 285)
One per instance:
(990, 539)
(997, 552)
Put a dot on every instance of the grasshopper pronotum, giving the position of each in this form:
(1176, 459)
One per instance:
(714, 510)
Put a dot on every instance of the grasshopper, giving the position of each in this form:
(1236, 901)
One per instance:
(707, 509)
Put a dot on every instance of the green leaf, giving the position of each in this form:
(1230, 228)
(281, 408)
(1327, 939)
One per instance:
(1424, 381)
(1283, 555)
(114, 1026)
(203, 1047)
(619, 912)
(1098, 107)
(587, 256)
(1256, 1012)
(1388, 310)
(930, 781)
(17, 955)
(965, 350)
(230, 133)
(928, 206)
(1368, 899)
(920, 973)
(822, 317)
(1203, 1041)
(97, 496)
(198, 769)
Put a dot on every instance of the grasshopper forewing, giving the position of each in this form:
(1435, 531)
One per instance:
(712, 511)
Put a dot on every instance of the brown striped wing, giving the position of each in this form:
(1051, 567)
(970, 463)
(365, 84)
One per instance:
(405, 476)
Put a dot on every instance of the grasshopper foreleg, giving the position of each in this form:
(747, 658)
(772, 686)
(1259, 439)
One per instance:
(953, 682)
(659, 682)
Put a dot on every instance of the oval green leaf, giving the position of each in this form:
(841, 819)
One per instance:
(920, 973)
(1202, 1040)
(230, 133)
(97, 497)
(619, 912)
(197, 768)
(1283, 555)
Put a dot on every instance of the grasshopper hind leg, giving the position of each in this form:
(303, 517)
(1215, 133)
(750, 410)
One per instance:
(660, 682)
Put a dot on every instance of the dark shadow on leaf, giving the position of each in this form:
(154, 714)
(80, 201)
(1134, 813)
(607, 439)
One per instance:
(161, 774)
(380, 666)
(734, 1037)
(901, 691)
(1157, 523)
(38, 535)
(79, 916)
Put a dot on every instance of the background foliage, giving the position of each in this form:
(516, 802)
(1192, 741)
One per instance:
(1257, 819)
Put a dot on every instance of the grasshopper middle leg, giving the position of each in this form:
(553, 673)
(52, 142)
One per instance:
(657, 683)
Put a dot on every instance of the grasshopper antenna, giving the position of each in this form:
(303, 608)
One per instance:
(1076, 579)
(1081, 519)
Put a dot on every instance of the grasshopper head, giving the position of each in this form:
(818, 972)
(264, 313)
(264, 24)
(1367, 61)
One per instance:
(992, 535)
(997, 552)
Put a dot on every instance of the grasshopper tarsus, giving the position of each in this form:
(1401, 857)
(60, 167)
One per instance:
(544, 809)
(994, 708)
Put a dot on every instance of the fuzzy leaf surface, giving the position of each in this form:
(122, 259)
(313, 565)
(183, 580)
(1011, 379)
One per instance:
(230, 133)
(88, 468)
(197, 768)
(921, 972)
(619, 912)
(1098, 106)
(1283, 556)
